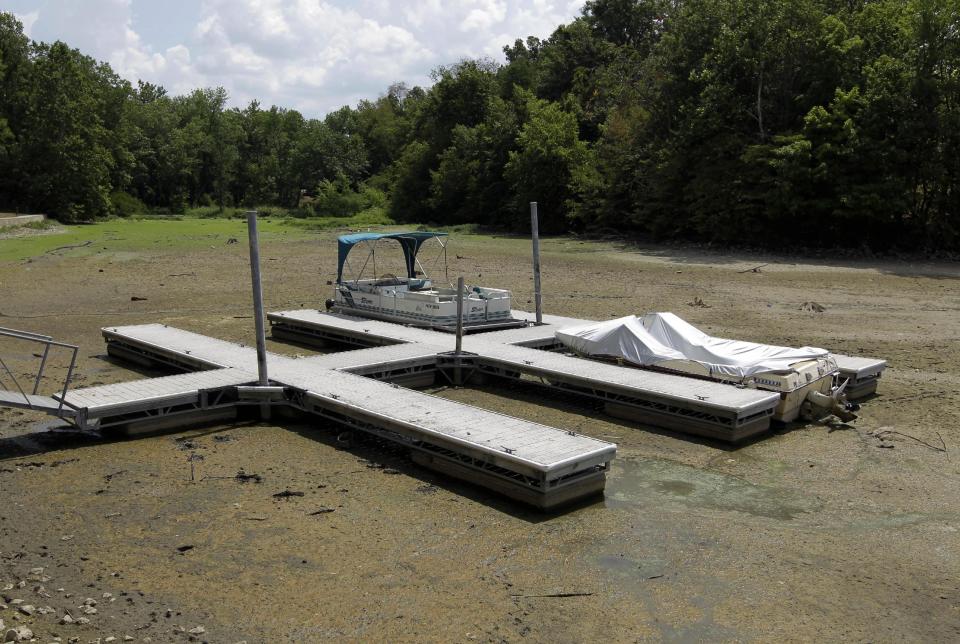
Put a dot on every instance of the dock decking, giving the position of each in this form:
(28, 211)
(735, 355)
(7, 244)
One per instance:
(862, 372)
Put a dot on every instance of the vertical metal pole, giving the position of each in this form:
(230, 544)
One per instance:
(43, 363)
(535, 232)
(457, 367)
(258, 304)
(459, 314)
(66, 383)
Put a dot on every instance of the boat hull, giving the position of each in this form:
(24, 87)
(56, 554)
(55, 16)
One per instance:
(484, 309)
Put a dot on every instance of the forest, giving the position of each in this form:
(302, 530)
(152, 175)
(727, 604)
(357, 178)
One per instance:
(830, 123)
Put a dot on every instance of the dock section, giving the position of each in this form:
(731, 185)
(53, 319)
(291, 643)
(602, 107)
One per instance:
(159, 403)
(313, 327)
(683, 404)
(862, 375)
(539, 465)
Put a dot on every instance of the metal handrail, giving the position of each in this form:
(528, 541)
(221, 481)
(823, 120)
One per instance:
(48, 342)
(28, 334)
(15, 381)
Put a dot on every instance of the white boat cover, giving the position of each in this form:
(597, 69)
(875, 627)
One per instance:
(658, 338)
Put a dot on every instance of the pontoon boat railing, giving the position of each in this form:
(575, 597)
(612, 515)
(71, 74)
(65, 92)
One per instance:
(372, 256)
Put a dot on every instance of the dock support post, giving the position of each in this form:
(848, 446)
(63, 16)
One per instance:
(458, 369)
(264, 378)
(535, 232)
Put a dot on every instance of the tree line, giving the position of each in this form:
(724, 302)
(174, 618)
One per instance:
(810, 122)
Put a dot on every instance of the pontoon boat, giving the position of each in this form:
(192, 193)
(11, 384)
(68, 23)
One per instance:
(414, 299)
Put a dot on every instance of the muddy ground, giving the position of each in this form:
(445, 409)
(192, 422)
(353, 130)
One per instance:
(813, 532)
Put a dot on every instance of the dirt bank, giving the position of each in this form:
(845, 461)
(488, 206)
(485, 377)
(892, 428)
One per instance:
(813, 532)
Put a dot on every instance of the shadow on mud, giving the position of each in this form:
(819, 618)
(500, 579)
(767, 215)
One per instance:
(535, 395)
(23, 449)
(386, 457)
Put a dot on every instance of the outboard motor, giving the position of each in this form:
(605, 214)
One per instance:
(835, 404)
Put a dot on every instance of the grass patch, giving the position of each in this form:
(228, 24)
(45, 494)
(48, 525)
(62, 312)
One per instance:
(139, 235)
(157, 233)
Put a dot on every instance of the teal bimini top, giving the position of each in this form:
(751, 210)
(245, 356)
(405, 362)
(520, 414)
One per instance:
(409, 241)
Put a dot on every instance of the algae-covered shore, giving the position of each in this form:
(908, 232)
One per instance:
(816, 531)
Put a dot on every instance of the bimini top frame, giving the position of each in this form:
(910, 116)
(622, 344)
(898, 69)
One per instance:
(410, 242)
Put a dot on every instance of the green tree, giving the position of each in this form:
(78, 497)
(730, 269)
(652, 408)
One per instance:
(549, 155)
(15, 70)
(412, 183)
(385, 125)
(65, 163)
(468, 184)
(6, 136)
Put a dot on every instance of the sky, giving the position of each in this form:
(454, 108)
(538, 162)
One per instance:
(311, 55)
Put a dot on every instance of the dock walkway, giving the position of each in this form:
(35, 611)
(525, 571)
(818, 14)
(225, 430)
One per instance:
(159, 402)
(673, 401)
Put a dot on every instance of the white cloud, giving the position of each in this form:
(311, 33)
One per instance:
(311, 55)
(485, 16)
(27, 19)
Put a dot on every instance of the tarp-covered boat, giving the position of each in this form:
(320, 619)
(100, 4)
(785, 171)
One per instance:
(664, 341)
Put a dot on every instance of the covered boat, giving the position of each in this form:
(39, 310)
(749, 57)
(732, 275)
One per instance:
(413, 298)
(803, 376)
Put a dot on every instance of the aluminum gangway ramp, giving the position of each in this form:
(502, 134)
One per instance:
(45, 404)
(18, 397)
(536, 464)
(675, 402)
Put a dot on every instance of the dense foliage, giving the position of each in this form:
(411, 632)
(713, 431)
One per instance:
(819, 122)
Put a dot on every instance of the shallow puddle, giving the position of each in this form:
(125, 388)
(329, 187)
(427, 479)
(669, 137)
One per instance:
(644, 481)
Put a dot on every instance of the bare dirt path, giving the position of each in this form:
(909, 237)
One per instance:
(813, 532)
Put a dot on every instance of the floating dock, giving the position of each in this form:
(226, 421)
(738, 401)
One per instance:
(682, 404)
(366, 389)
(539, 465)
